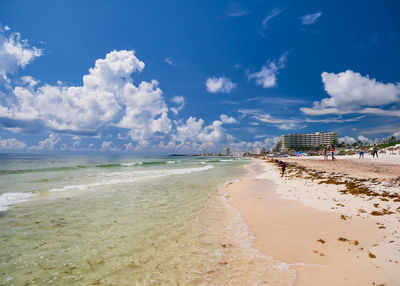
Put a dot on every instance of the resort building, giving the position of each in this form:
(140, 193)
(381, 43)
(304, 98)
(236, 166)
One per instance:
(299, 141)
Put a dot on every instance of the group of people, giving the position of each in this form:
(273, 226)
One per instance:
(331, 151)
(373, 153)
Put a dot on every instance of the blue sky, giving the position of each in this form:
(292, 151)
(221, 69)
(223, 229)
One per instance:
(191, 76)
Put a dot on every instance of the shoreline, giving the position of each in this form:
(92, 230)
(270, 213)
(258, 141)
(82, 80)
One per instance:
(311, 238)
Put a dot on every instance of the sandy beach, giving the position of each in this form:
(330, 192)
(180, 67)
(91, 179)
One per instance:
(335, 223)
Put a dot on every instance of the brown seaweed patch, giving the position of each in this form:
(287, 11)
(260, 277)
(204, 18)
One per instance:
(371, 255)
(343, 239)
(321, 240)
(382, 212)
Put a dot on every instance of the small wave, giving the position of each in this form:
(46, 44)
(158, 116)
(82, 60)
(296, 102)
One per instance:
(130, 177)
(146, 163)
(131, 164)
(113, 165)
(8, 199)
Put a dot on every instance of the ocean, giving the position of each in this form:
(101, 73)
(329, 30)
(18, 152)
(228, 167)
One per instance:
(122, 220)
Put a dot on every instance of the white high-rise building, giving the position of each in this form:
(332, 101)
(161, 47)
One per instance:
(295, 141)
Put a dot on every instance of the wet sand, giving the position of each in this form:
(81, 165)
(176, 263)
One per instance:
(319, 244)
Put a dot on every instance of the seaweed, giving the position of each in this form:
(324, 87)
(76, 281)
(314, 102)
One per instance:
(371, 255)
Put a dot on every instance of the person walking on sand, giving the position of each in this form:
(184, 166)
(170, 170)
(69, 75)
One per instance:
(333, 152)
(283, 166)
(375, 151)
(325, 151)
(362, 151)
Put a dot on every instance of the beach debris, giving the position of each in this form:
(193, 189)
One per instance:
(382, 212)
(343, 239)
(321, 240)
(371, 255)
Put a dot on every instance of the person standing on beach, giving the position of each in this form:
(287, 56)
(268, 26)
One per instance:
(362, 151)
(375, 151)
(333, 152)
(325, 151)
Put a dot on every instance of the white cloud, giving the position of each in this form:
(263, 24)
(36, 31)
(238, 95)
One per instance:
(235, 10)
(310, 18)
(364, 139)
(274, 13)
(346, 139)
(350, 92)
(15, 53)
(221, 84)
(192, 135)
(227, 119)
(77, 141)
(267, 75)
(107, 97)
(179, 101)
(246, 146)
(169, 61)
(271, 141)
(11, 144)
(290, 126)
(108, 146)
(48, 143)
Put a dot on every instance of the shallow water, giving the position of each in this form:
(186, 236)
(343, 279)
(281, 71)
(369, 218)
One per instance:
(93, 220)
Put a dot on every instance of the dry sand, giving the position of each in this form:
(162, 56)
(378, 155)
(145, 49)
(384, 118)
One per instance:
(317, 229)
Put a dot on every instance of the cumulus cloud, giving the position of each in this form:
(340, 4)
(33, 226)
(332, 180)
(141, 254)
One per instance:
(271, 141)
(179, 102)
(310, 18)
(11, 144)
(350, 92)
(108, 146)
(15, 53)
(227, 119)
(48, 143)
(220, 84)
(266, 77)
(364, 139)
(193, 135)
(107, 97)
(347, 140)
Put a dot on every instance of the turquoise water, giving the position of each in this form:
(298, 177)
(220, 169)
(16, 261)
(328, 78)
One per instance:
(92, 220)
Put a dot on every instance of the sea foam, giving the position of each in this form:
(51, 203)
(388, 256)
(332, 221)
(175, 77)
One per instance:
(130, 177)
(8, 199)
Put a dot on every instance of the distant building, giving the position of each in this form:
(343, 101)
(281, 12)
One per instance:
(226, 152)
(299, 141)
